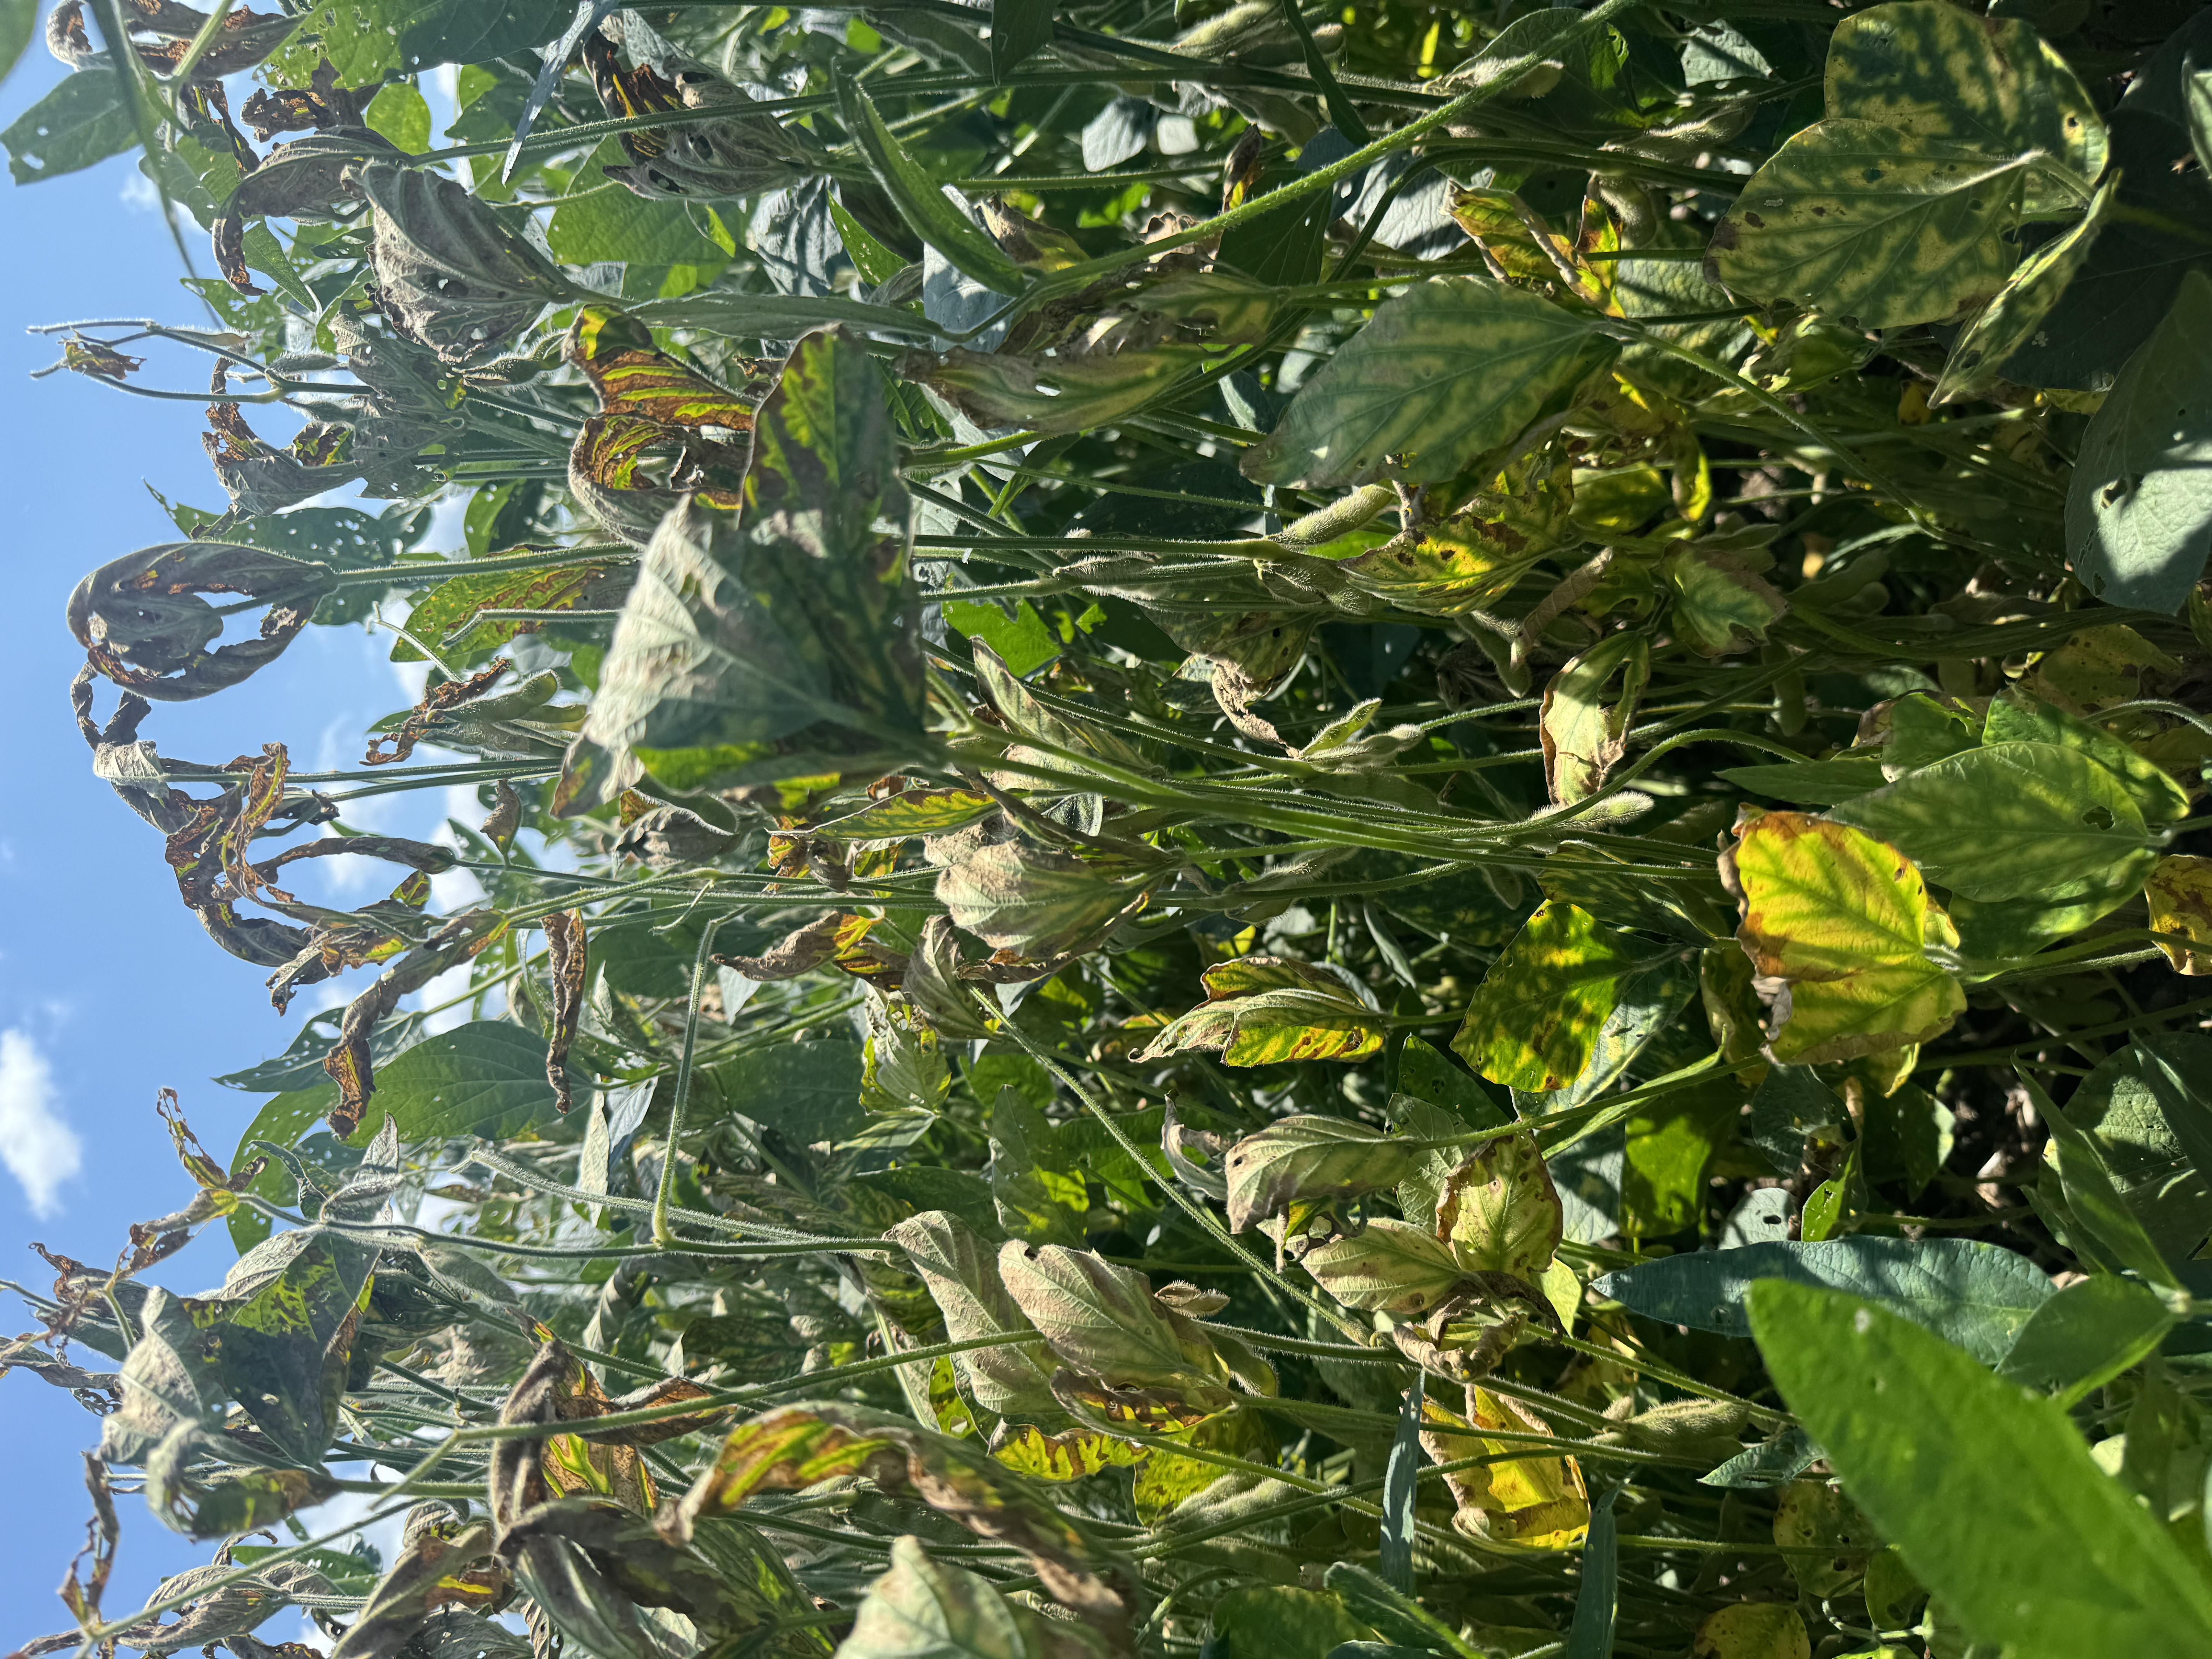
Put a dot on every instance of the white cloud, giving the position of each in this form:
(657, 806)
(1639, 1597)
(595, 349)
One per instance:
(41, 1150)
(138, 193)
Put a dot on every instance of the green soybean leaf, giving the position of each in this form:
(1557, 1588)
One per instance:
(797, 621)
(1926, 68)
(2012, 317)
(926, 1609)
(487, 1078)
(2148, 1108)
(776, 316)
(2016, 716)
(19, 21)
(1399, 1478)
(1598, 1597)
(1019, 28)
(366, 40)
(2197, 102)
(1273, 1622)
(2011, 821)
(2014, 1491)
(924, 207)
(606, 222)
(1439, 376)
(2086, 1335)
(1872, 225)
(83, 120)
(1978, 1296)
(2139, 509)
(808, 1091)
(2093, 1194)
(1811, 783)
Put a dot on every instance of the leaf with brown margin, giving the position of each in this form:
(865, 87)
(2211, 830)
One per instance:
(447, 617)
(349, 1062)
(1068, 1456)
(1843, 920)
(1104, 1322)
(1536, 1018)
(1584, 724)
(1387, 1266)
(1261, 1010)
(143, 623)
(632, 376)
(792, 1448)
(1302, 1158)
(443, 1563)
(1498, 1211)
(962, 1277)
(565, 957)
(445, 695)
(1535, 1498)
(1449, 567)
(2179, 894)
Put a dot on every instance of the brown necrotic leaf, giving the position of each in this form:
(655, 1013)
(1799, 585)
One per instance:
(739, 157)
(303, 181)
(144, 624)
(565, 957)
(348, 1063)
(443, 1563)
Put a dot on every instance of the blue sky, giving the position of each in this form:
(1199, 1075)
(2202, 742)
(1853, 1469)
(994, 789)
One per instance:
(109, 990)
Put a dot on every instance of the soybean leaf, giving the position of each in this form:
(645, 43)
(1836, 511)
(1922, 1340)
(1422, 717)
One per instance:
(808, 1091)
(2086, 1335)
(1438, 376)
(366, 40)
(1978, 1296)
(2139, 508)
(1845, 921)
(84, 119)
(2015, 1491)
(1304, 1158)
(2147, 1108)
(1019, 29)
(19, 21)
(2017, 311)
(933, 218)
(1272, 1621)
(487, 1078)
(1598, 1596)
(1536, 1018)
(924, 1609)
(2016, 716)
(1927, 69)
(2094, 1195)
(1811, 783)
(1874, 225)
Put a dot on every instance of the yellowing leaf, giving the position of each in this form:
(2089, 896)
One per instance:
(1721, 604)
(1536, 1500)
(1865, 222)
(1584, 734)
(1757, 1629)
(1499, 1212)
(2179, 894)
(1439, 376)
(1933, 70)
(1844, 920)
(1261, 1011)
(1387, 1266)
(1536, 1018)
